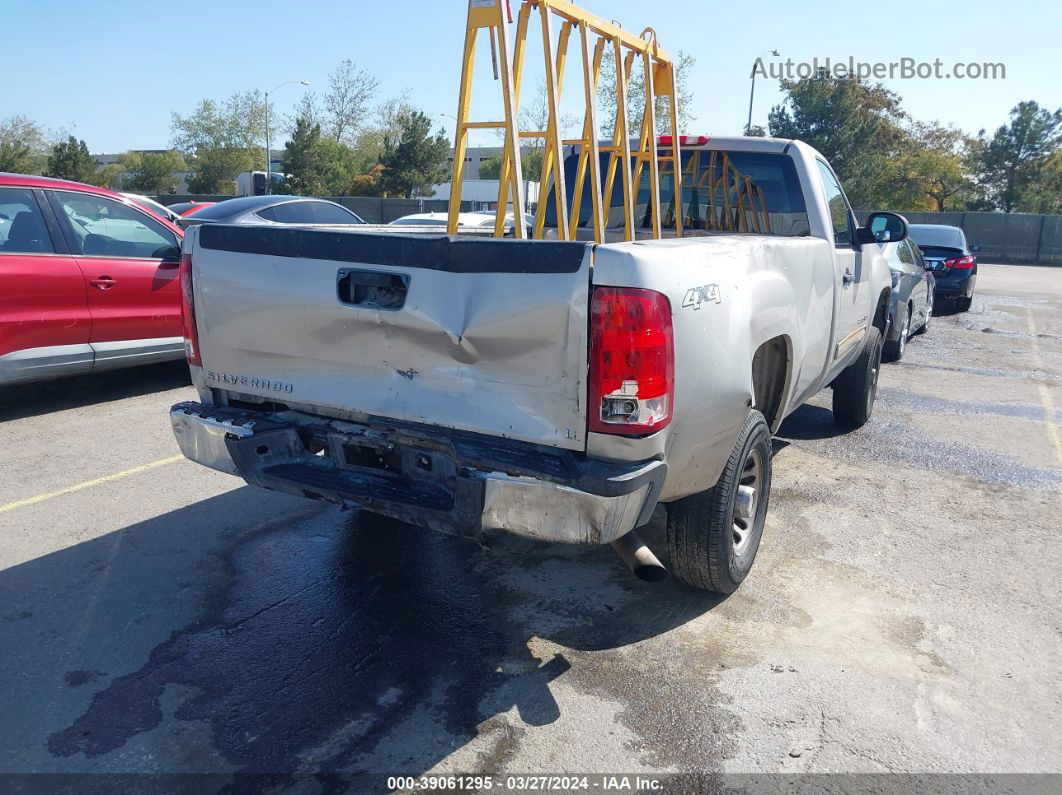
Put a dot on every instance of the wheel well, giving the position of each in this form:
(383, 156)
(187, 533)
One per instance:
(770, 372)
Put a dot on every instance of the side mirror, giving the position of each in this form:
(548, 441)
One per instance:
(883, 228)
(975, 248)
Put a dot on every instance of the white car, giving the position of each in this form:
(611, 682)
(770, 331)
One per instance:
(153, 206)
(464, 220)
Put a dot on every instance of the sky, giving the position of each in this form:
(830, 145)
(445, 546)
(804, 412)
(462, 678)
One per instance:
(112, 72)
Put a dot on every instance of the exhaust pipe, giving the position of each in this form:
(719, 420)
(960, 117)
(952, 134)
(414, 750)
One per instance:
(639, 558)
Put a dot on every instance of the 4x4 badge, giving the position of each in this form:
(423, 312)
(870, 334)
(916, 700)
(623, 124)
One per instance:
(697, 295)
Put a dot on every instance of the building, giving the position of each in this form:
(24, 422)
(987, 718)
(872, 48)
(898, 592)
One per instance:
(474, 157)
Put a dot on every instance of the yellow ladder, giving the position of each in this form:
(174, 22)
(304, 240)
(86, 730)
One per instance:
(626, 163)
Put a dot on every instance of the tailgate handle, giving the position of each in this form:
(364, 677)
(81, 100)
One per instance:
(372, 289)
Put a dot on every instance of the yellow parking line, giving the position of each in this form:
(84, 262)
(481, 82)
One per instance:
(88, 484)
(1045, 393)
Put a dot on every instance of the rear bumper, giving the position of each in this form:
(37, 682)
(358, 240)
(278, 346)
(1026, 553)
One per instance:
(955, 288)
(457, 483)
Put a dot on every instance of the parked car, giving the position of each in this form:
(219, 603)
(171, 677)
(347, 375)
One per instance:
(558, 390)
(952, 261)
(88, 280)
(274, 210)
(911, 307)
(158, 208)
(187, 208)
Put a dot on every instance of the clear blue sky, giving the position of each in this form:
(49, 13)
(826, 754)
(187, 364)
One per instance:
(111, 72)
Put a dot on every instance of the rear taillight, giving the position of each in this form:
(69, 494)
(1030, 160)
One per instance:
(191, 333)
(632, 361)
(961, 262)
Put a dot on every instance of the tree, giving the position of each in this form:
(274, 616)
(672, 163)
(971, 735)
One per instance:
(413, 159)
(221, 140)
(1009, 163)
(152, 172)
(302, 160)
(110, 176)
(935, 160)
(23, 146)
(1043, 194)
(856, 125)
(70, 159)
(606, 93)
(346, 105)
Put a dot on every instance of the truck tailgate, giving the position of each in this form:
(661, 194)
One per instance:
(478, 334)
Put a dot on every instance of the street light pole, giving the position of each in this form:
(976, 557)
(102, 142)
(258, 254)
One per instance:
(268, 169)
(752, 88)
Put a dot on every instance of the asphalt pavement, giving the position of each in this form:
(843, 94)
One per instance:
(904, 614)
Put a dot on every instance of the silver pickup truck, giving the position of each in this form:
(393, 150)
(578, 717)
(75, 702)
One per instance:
(558, 390)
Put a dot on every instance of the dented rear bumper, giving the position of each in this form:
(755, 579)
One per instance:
(456, 482)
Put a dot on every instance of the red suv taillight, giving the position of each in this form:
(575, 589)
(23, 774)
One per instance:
(632, 361)
(191, 333)
(961, 262)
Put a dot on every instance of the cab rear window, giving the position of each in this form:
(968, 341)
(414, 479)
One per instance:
(722, 191)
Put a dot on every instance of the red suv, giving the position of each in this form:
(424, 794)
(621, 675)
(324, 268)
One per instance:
(88, 281)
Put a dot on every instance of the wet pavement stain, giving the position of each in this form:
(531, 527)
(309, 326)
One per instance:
(324, 648)
(310, 634)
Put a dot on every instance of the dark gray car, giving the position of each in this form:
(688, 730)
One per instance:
(274, 210)
(912, 296)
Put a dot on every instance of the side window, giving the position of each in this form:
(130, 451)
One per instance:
(295, 213)
(22, 229)
(106, 228)
(326, 213)
(904, 251)
(840, 214)
(267, 214)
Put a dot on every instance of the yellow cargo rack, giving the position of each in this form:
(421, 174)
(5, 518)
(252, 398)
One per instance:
(598, 39)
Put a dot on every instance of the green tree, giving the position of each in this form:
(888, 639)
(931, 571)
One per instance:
(856, 125)
(413, 159)
(302, 160)
(1043, 194)
(70, 159)
(23, 146)
(1009, 164)
(110, 176)
(152, 172)
(220, 140)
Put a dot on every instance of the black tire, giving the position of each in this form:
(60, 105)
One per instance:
(856, 387)
(964, 304)
(711, 546)
(893, 349)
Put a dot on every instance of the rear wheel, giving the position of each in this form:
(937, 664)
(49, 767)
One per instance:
(856, 387)
(893, 350)
(964, 304)
(713, 536)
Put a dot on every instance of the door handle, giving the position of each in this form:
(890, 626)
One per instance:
(847, 278)
(103, 283)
